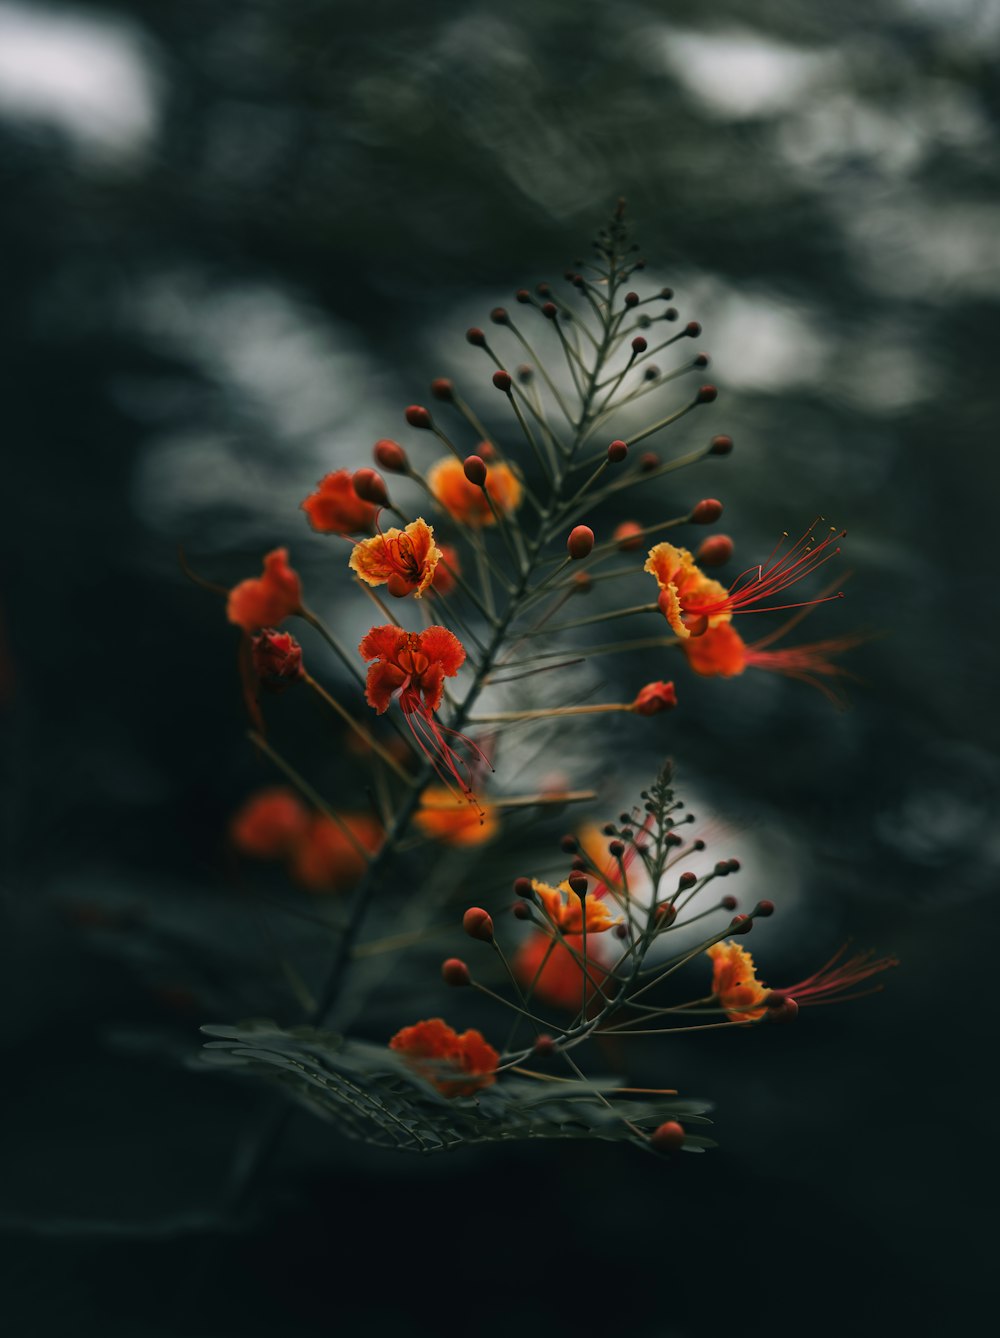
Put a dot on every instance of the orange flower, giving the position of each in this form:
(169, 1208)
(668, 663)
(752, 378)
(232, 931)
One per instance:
(464, 501)
(325, 859)
(266, 600)
(270, 824)
(722, 652)
(735, 984)
(402, 559)
(692, 602)
(443, 581)
(565, 908)
(412, 667)
(455, 822)
(335, 508)
(561, 980)
(433, 1049)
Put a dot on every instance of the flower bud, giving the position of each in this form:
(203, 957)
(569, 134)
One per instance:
(639, 344)
(670, 314)
(706, 394)
(582, 583)
(370, 487)
(651, 373)
(649, 461)
(417, 416)
(443, 389)
(277, 659)
(617, 451)
(666, 914)
(764, 909)
(781, 1008)
(628, 536)
(580, 542)
(579, 865)
(631, 299)
(669, 1137)
(692, 329)
(455, 972)
(666, 294)
(544, 1046)
(700, 360)
(391, 456)
(478, 923)
(720, 445)
(616, 848)
(578, 882)
(620, 930)
(654, 698)
(721, 869)
(550, 310)
(523, 295)
(729, 903)
(525, 373)
(706, 512)
(499, 316)
(734, 865)
(523, 888)
(686, 880)
(714, 551)
(475, 470)
(502, 381)
(569, 844)
(476, 336)
(521, 909)
(740, 924)
(543, 289)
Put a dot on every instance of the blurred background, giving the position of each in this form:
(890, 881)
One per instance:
(237, 240)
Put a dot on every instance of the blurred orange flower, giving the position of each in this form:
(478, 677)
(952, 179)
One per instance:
(455, 822)
(335, 508)
(432, 1048)
(735, 983)
(561, 980)
(270, 823)
(655, 697)
(325, 859)
(448, 568)
(402, 559)
(464, 501)
(265, 601)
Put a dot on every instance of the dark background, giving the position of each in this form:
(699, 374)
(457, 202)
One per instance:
(237, 239)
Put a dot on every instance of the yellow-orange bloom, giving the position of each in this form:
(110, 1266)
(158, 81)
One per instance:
(445, 817)
(402, 559)
(464, 501)
(735, 983)
(548, 968)
(684, 588)
(565, 908)
(325, 859)
(432, 1048)
(721, 652)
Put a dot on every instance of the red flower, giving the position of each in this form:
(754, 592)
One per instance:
(335, 508)
(270, 824)
(433, 1049)
(833, 979)
(412, 667)
(267, 600)
(722, 652)
(277, 659)
(654, 698)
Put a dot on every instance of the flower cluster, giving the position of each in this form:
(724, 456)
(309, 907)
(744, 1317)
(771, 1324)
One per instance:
(519, 519)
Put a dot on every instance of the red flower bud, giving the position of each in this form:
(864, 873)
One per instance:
(628, 536)
(631, 299)
(620, 931)
(617, 451)
(475, 470)
(616, 848)
(706, 394)
(544, 1046)
(455, 972)
(666, 914)
(764, 909)
(417, 416)
(582, 582)
(714, 551)
(499, 316)
(277, 659)
(578, 882)
(692, 329)
(649, 461)
(639, 344)
(700, 360)
(740, 924)
(686, 880)
(476, 336)
(443, 389)
(523, 888)
(654, 698)
(729, 903)
(522, 911)
(669, 1137)
(781, 1008)
(707, 511)
(502, 381)
(370, 487)
(478, 923)
(720, 445)
(523, 295)
(569, 844)
(391, 456)
(550, 310)
(580, 542)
